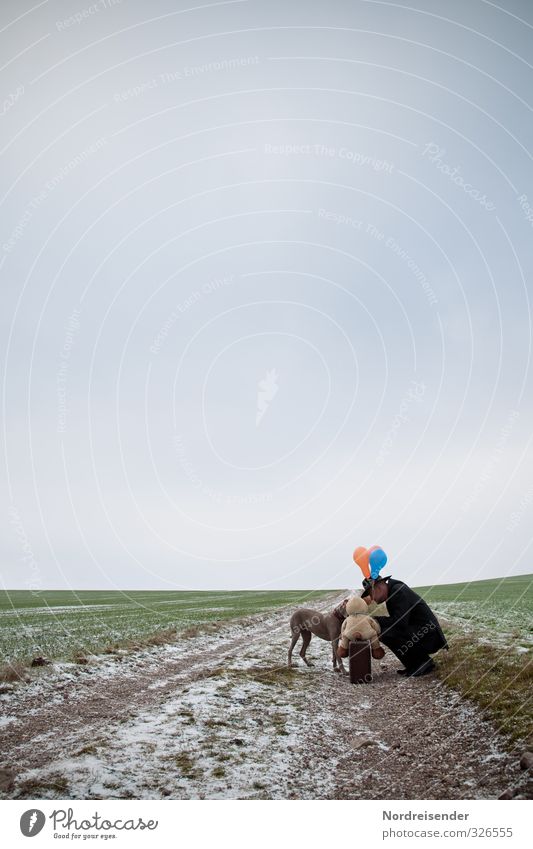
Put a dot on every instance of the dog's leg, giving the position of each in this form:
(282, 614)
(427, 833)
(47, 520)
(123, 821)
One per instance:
(340, 667)
(306, 639)
(295, 637)
(334, 644)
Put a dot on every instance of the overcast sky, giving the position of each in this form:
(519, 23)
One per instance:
(265, 272)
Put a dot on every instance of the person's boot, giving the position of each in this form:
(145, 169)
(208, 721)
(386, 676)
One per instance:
(424, 669)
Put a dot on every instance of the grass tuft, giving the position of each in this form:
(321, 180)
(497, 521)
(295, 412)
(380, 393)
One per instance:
(55, 787)
(496, 679)
(11, 672)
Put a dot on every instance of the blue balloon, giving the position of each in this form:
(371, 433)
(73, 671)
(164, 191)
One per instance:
(377, 561)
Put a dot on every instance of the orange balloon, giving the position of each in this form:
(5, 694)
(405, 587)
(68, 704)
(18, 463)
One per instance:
(360, 557)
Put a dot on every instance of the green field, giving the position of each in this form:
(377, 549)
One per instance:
(489, 626)
(63, 624)
(516, 588)
(500, 603)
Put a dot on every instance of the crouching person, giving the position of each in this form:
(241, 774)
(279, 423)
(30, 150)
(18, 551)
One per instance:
(410, 630)
(359, 626)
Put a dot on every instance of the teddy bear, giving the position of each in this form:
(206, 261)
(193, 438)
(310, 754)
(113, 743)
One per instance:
(359, 626)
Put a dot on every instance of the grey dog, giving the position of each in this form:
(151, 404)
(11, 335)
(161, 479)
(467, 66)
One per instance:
(306, 622)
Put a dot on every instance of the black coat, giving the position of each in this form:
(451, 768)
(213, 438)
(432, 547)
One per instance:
(412, 628)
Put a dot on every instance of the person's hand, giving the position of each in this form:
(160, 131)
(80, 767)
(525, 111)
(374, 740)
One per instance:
(341, 652)
(357, 636)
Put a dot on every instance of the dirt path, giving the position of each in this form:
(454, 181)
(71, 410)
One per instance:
(221, 717)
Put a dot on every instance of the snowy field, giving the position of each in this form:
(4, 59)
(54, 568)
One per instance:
(220, 716)
(67, 624)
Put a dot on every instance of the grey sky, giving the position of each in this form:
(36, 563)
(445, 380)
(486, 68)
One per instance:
(265, 272)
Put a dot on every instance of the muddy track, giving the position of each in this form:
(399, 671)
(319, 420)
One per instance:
(69, 703)
(222, 717)
(100, 699)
